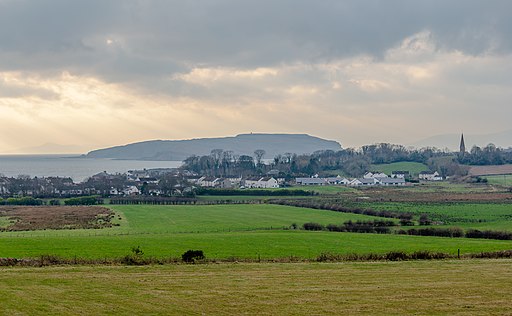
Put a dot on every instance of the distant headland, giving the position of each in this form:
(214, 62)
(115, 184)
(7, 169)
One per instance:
(243, 144)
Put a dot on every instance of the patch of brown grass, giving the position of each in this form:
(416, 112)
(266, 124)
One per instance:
(490, 170)
(55, 217)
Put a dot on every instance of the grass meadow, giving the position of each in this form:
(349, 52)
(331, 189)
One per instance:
(504, 180)
(491, 216)
(414, 168)
(226, 231)
(451, 287)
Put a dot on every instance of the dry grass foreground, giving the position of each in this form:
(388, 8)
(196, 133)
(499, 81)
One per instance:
(55, 217)
(475, 287)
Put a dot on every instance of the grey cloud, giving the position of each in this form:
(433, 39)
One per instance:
(153, 39)
(16, 91)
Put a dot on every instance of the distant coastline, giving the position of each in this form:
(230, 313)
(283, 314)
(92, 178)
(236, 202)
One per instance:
(76, 167)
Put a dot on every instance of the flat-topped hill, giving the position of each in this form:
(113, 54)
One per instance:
(243, 144)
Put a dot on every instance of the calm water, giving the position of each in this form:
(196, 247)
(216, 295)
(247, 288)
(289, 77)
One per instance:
(71, 166)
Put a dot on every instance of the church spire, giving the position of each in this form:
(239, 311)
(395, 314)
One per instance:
(462, 145)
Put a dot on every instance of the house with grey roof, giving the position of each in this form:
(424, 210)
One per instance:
(363, 182)
(391, 181)
(310, 181)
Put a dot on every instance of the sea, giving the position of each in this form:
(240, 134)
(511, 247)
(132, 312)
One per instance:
(76, 167)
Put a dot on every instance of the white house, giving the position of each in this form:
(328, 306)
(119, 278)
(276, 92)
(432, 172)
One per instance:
(429, 176)
(131, 190)
(268, 183)
(370, 175)
(251, 182)
(224, 183)
(400, 174)
(337, 180)
(207, 182)
(261, 183)
(235, 182)
(364, 182)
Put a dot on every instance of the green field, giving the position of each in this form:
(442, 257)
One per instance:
(448, 187)
(414, 168)
(325, 189)
(248, 245)
(224, 231)
(452, 287)
(505, 180)
(493, 216)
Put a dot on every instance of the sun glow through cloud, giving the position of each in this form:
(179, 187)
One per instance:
(138, 73)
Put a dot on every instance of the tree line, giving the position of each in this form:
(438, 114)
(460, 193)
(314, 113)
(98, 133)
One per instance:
(353, 162)
(488, 155)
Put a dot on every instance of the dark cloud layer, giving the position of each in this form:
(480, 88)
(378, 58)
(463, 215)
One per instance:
(154, 38)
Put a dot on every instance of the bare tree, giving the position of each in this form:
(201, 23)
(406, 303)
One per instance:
(259, 153)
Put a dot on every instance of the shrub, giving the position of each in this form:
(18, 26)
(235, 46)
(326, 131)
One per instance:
(406, 222)
(493, 255)
(5, 262)
(335, 228)
(84, 200)
(424, 220)
(54, 202)
(192, 255)
(327, 256)
(438, 232)
(47, 260)
(135, 258)
(313, 226)
(427, 255)
(396, 256)
(489, 234)
(26, 200)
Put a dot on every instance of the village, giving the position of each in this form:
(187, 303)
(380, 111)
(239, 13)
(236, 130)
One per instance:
(175, 182)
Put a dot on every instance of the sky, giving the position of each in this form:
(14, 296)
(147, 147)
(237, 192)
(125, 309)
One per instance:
(81, 75)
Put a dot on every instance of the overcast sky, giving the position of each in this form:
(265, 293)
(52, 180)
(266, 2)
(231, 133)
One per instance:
(96, 73)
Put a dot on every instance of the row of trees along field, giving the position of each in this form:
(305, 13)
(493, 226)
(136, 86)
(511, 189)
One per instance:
(353, 162)
(489, 155)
